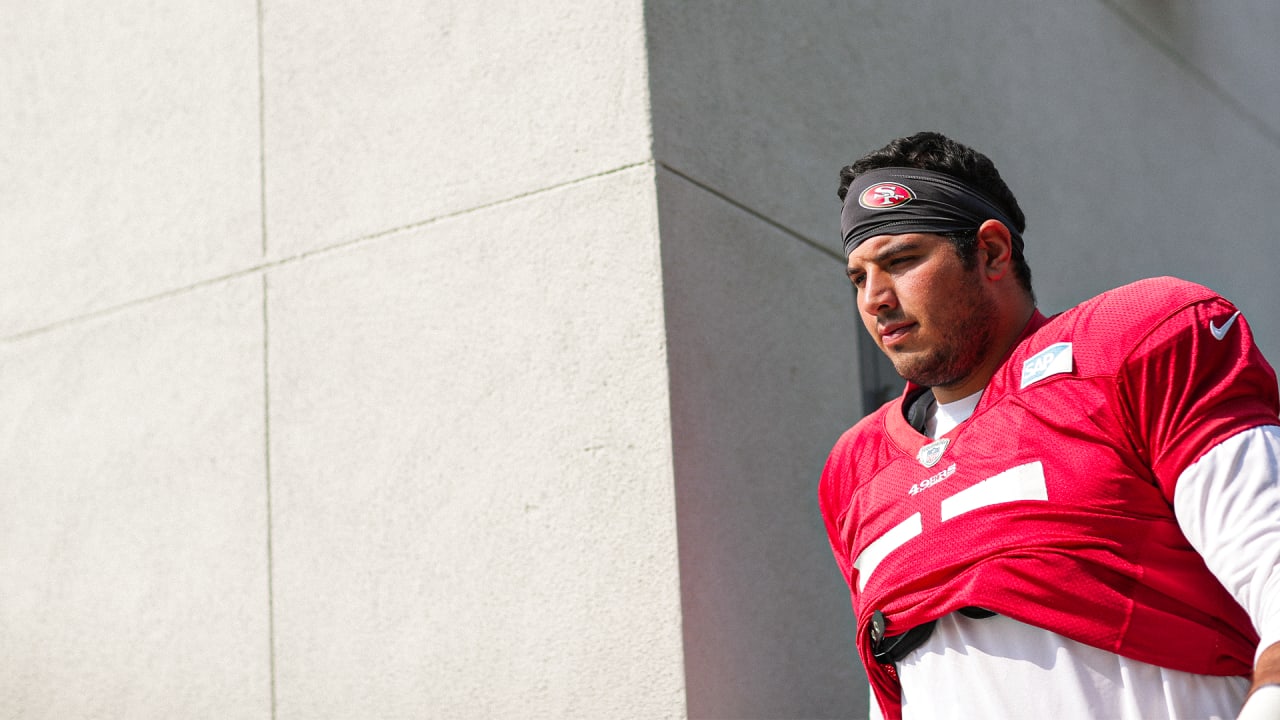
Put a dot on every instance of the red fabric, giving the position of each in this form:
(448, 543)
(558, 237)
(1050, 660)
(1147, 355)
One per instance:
(1102, 560)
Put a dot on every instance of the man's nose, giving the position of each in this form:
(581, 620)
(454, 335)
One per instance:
(877, 293)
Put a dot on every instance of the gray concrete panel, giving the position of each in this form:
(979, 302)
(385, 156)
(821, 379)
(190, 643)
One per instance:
(1214, 39)
(1127, 163)
(763, 381)
(130, 159)
(133, 536)
(1125, 157)
(380, 119)
(473, 504)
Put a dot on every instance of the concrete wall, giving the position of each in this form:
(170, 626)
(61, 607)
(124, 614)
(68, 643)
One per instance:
(333, 366)
(1140, 138)
(475, 360)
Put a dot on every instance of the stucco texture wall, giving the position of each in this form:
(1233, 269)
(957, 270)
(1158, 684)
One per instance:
(479, 360)
(333, 364)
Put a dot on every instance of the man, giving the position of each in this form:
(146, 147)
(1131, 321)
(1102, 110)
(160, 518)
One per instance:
(1074, 516)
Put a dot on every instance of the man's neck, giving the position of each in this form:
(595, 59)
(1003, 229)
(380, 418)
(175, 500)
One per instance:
(1007, 336)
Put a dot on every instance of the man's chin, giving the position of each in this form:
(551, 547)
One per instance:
(927, 375)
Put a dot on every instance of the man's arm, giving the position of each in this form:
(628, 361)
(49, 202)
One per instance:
(1263, 702)
(1228, 505)
(1266, 669)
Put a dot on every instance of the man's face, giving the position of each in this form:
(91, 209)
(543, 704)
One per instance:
(934, 319)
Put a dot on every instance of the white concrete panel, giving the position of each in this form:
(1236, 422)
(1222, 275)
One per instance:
(472, 486)
(130, 159)
(133, 537)
(380, 118)
(762, 332)
(1126, 162)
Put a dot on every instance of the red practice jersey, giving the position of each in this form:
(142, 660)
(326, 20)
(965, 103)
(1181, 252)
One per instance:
(1052, 504)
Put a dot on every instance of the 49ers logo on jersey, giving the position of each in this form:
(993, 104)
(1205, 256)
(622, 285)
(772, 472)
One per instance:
(882, 196)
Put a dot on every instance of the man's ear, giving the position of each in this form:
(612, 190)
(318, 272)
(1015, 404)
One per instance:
(995, 249)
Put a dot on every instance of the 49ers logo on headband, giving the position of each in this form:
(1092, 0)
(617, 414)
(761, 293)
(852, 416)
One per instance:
(885, 195)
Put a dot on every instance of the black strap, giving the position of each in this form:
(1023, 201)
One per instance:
(917, 409)
(889, 649)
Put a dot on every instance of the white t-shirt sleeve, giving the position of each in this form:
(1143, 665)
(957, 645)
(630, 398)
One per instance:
(1228, 505)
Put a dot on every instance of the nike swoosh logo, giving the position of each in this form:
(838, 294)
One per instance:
(1221, 332)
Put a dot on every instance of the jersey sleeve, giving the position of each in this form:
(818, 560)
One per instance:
(1193, 380)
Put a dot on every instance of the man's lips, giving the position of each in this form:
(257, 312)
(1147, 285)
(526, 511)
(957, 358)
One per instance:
(894, 331)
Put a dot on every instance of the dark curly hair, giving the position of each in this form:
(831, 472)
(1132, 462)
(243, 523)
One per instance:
(937, 152)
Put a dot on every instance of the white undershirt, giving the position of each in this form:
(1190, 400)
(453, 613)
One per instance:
(1228, 505)
(945, 416)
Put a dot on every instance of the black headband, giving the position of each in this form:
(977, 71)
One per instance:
(896, 201)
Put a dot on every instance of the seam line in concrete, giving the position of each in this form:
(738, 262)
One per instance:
(755, 213)
(477, 208)
(1237, 107)
(262, 134)
(266, 459)
(266, 367)
(300, 257)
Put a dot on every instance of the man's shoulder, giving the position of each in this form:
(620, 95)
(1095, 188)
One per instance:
(869, 432)
(1105, 330)
(1131, 309)
(1158, 294)
(864, 445)
(872, 424)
